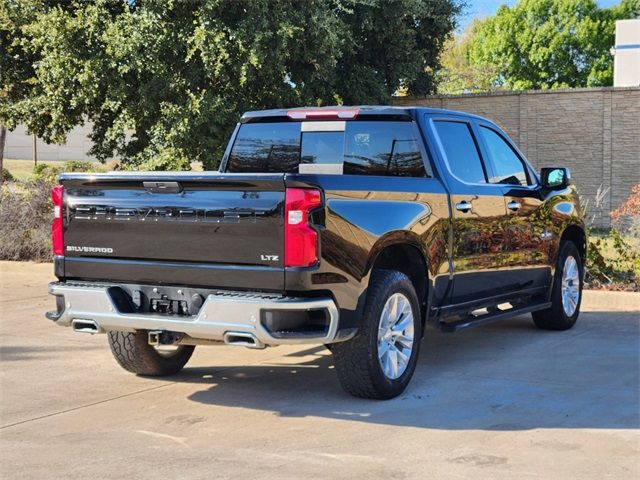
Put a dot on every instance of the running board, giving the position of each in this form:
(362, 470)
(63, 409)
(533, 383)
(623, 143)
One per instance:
(476, 321)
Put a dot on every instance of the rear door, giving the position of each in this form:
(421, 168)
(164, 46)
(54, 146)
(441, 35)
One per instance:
(184, 229)
(477, 209)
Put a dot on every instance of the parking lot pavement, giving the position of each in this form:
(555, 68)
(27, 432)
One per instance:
(501, 401)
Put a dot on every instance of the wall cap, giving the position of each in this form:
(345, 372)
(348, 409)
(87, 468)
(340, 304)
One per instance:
(502, 93)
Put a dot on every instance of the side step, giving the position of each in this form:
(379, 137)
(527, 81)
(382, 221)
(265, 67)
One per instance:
(477, 320)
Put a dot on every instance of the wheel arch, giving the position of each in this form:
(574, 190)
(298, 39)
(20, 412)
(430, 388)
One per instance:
(404, 255)
(577, 235)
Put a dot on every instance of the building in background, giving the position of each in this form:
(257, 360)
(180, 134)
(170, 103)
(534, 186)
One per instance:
(626, 52)
(19, 145)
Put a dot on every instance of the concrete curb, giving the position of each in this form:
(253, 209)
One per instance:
(605, 301)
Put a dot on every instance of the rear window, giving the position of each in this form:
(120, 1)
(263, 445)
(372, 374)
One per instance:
(342, 147)
(266, 147)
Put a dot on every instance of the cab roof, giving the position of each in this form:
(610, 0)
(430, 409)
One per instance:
(347, 113)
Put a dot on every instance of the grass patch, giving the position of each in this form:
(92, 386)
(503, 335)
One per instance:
(610, 253)
(23, 169)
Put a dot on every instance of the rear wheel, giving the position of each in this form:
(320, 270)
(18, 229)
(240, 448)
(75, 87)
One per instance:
(566, 294)
(133, 352)
(380, 360)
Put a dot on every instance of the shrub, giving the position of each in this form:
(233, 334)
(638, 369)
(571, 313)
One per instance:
(6, 174)
(612, 263)
(25, 221)
(46, 172)
(79, 166)
(26, 212)
(626, 218)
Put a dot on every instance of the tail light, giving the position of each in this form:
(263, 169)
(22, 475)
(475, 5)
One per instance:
(57, 239)
(300, 240)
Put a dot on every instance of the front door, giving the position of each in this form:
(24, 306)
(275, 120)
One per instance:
(529, 240)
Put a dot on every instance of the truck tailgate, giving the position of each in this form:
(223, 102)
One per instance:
(214, 230)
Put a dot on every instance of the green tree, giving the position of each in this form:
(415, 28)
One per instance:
(541, 44)
(458, 74)
(16, 65)
(163, 83)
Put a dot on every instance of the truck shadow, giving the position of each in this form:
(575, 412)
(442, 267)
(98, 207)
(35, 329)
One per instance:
(505, 376)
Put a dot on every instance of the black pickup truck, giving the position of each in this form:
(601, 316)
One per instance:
(351, 227)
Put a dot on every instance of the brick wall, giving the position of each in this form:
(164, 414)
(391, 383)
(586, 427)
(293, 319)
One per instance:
(593, 131)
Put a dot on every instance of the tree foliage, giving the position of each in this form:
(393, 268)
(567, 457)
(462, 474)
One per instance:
(163, 82)
(457, 74)
(541, 44)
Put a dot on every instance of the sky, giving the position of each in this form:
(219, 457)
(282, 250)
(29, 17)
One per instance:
(485, 8)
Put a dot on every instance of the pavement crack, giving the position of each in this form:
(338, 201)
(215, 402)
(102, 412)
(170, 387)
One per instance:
(80, 407)
(130, 394)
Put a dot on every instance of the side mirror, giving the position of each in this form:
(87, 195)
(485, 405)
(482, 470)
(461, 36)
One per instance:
(555, 178)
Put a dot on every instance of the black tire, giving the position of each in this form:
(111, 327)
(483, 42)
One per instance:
(356, 360)
(133, 352)
(555, 317)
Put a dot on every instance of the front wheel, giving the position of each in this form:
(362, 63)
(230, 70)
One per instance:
(566, 293)
(380, 360)
(133, 353)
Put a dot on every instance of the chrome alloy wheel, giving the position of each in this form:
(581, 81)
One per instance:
(570, 286)
(395, 336)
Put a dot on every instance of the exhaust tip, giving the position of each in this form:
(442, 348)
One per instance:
(84, 325)
(243, 339)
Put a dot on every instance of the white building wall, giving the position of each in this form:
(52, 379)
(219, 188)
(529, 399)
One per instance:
(18, 145)
(626, 64)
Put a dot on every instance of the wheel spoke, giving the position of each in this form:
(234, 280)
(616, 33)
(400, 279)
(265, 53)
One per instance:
(393, 312)
(383, 348)
(569, 272)
(402, 357)
(401, 326)
(384, 319)
(405, 342)
(393, 358)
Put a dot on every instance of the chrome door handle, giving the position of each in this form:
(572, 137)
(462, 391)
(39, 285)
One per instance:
(514, 206)
(464, 206)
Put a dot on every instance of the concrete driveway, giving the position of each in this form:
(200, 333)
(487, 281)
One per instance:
(502, 401)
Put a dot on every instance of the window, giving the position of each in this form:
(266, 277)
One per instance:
(382, 148)
(363, 148)
(266, 148)
(461, 151)
(507, 166)
(321, 152)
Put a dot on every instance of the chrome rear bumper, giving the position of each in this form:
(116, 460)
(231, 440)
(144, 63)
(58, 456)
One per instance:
(90, 308)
